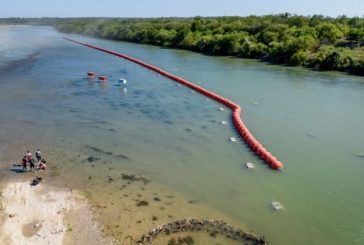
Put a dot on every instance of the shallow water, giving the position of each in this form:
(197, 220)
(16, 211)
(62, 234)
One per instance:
(153, 129)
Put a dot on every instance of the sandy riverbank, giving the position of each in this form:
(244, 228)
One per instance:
(45, 215)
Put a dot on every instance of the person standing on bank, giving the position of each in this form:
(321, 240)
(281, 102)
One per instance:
(24, 162)
(32, 164)
(28, 155)
(38, 155)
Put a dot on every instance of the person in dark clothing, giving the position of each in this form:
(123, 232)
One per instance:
(24, 162)
(32, 164)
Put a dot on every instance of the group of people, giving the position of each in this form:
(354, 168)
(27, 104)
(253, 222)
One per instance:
(28, 158)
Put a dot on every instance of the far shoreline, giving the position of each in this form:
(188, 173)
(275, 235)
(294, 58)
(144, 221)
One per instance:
(315, 42)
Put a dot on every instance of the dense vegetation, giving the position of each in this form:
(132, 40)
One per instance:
(318, 42)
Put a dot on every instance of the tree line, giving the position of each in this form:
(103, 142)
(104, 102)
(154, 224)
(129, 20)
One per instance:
(317, 41)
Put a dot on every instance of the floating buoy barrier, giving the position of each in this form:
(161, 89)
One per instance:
(102, 78)
(91, 74)
(249, 165)
(244, 132)
(122, 80)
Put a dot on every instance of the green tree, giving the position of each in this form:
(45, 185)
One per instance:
(329, 33)
(197, 24)
(298, 58)
(355, 34)
(331, 61)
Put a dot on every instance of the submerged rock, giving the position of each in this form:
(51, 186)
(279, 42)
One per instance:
(142, 203)
(157, 199)
(133, 178)
(109, 153)
(92, 159)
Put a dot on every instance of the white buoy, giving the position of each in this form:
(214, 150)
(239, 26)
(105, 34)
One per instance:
(249, 165)
(232, 139)
(221, 109)
(223, 122)
(277, 205)
(122, 80)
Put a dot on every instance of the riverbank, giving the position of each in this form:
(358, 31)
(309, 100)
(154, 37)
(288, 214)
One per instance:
(43, 214)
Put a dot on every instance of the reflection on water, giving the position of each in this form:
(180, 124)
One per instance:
(96, 133)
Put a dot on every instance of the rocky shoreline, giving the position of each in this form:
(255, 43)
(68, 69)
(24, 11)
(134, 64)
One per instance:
(213, 227)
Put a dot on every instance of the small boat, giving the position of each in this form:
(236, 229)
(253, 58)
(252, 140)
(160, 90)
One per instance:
(223, 122)
(122, 80)
(221, 109)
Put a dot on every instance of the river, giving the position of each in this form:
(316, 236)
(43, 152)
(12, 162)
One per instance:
(151, 140)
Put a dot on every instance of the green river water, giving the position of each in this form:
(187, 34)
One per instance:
(152, 128)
